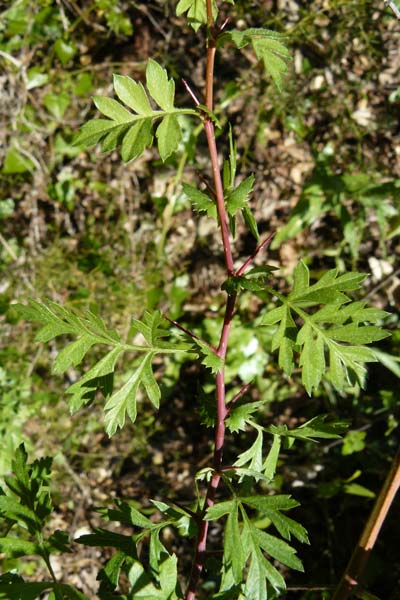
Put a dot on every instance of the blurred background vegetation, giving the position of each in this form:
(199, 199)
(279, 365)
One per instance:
(83, 229)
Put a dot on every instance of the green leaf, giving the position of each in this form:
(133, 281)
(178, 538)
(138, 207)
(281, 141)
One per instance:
(239, 414)
(36, 78)
(252, 457)
(312, 357)
(73, 353)
(260, 569)
(92, 132)
(270, 463)
(219, 510)
(57, 104)
(201, 201)
(353, 333)
(287, 526)
(15, 547)
(98, 377)
(161, 89)
(239, 197)
(13, 587)
(136, 140)
(301, 279)
(103, 538)
(112, 109)
(353, 442)
(196, 11)
(111, 572)
(277, 548)
(24, 516)
(326, 330)
(255, 280)
(209, 357)
(251, 222)
(133, 131)
(168, 575)
(16, 162)
(267, 503)
(132, 94)
(124, 400)
(233, 557)
(355, 489)
(169, 135)
(65, 51)
(269, 47)
(317, 427)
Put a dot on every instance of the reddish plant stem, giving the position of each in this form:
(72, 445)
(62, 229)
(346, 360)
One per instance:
(219, 194)
(190, 334)
(222, 411)
(240, 393)
(258, 249)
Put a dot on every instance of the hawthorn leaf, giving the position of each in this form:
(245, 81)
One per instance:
(169, 135)
(132, 129)
(251, 222)
(209, 357)
(196, 11)
(233, 557)
(336, 330)
(317, 427)
(92, 132)
(260, 569)
(312, 358)
(73, 354)
(287, 526)
(358, 335)
(252, 457)
(132, 94)
(267, 503)
(123, 402)
(270, 463)
(168, 576)
(239, 197)
(269, 46)
(161, 89)
(277, 548)
(15, 588)
(136, 140)
(201, 201)
(112, 109)
(82, 391)
(239, 414)
(219, 510)
(16, 547)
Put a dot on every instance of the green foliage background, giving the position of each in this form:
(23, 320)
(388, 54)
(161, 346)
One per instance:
(83, 229)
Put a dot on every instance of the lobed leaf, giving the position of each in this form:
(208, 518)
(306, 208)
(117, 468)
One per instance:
(238, 198)
(201, 201)
(133, 131)
(269, 46)
(196, 11)
(336, 330)
(124, 401)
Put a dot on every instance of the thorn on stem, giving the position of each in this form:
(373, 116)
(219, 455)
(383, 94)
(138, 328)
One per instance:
(191, 92)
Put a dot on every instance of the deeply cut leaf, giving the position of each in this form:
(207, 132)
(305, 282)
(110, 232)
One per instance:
(332, 333)
(132, 129)
(269, 47)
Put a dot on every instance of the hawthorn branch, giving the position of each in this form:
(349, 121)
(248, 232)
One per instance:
(222, 411)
